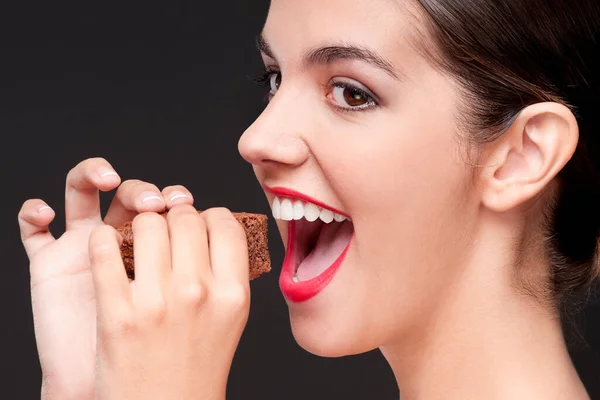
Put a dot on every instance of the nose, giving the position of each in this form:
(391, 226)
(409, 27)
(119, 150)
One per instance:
(275, 138)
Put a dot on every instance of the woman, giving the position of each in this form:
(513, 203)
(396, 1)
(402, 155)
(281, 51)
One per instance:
(433, 169)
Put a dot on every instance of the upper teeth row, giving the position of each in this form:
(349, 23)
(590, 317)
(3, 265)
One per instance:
(287, 211)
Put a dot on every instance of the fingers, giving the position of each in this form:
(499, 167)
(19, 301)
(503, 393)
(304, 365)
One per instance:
(229, 295)
(227, 246)
(34, 218)
(176, 195)
(152, 256)
(110, 279)
(134, 197)
(189, 247)
(82, 200)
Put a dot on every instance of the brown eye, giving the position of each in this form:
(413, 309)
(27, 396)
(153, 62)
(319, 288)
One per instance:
(352, 98)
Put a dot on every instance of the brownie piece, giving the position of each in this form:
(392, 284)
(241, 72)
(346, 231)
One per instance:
(255, 226)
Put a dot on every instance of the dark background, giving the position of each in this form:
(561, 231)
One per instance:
(160, 90)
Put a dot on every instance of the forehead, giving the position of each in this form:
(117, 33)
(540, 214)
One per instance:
(388, 26)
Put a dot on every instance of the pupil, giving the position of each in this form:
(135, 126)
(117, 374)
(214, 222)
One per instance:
(353, 98)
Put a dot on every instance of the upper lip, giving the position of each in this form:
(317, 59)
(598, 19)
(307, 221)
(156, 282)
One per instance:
(286, 192)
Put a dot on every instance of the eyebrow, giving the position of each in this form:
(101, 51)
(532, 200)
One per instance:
(330, 54)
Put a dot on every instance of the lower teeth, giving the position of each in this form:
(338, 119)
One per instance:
(295, 278)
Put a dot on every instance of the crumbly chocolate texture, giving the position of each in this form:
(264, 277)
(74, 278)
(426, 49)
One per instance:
(255, 226)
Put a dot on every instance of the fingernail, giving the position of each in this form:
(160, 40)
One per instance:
(42, 208)
(178, 195)
(105, 171)
(151, 197)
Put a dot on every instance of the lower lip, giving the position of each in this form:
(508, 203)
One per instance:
(298, 292)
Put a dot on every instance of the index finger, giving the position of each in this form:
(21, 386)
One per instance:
(82, 199)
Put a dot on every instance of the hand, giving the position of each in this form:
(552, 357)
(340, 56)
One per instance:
(62, 292)
(171, 333)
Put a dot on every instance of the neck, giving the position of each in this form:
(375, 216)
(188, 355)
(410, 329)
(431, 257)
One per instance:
(485, 340)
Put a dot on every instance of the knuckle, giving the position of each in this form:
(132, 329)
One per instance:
(182, 212)
(134, 187)
(94, 162)
(126, 186)
(146, 187)
(73, 172)
(219, 213)
(226, 224)
(154, 309)
(101, 232)
(232, 297)
(147, 219)
(27, 206)
(100, 245)
(80, 174)
(123, 322)
(86, 165)
(192, 295)
(233, 230)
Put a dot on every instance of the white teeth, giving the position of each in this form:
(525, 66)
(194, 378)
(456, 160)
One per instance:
(326, 216)
(276, 208)
(287, 210)
(338, 217)
(311, 212)
(298, 210)
(295, 278)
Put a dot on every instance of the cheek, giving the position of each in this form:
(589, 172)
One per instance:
(409, 198)
(394, 165)
(406, 190)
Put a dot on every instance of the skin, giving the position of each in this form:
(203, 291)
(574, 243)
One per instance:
(434, 277)
(427, 278)
(100, 336)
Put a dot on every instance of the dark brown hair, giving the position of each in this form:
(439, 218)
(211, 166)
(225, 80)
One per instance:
(509, 54)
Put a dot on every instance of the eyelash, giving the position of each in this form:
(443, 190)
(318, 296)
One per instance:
(264, 81)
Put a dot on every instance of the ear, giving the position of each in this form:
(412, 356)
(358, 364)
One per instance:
(521, 163)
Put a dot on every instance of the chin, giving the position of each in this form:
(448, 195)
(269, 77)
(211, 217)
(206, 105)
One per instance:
(330, 339)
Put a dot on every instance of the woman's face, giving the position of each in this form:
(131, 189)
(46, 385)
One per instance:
(365, 126)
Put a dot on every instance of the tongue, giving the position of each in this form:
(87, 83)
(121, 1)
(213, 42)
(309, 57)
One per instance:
(331, 243)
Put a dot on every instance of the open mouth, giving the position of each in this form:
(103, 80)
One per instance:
(319, 238)
(318, 245)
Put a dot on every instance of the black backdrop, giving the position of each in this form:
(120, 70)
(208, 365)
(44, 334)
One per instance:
(159, 89)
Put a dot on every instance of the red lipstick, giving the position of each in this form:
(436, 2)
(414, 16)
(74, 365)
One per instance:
(285, 192)
(302, 291)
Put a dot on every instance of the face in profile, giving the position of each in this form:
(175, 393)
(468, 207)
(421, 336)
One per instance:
(358, 154)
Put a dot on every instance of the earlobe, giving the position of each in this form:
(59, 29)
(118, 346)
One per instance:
(538, 144)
